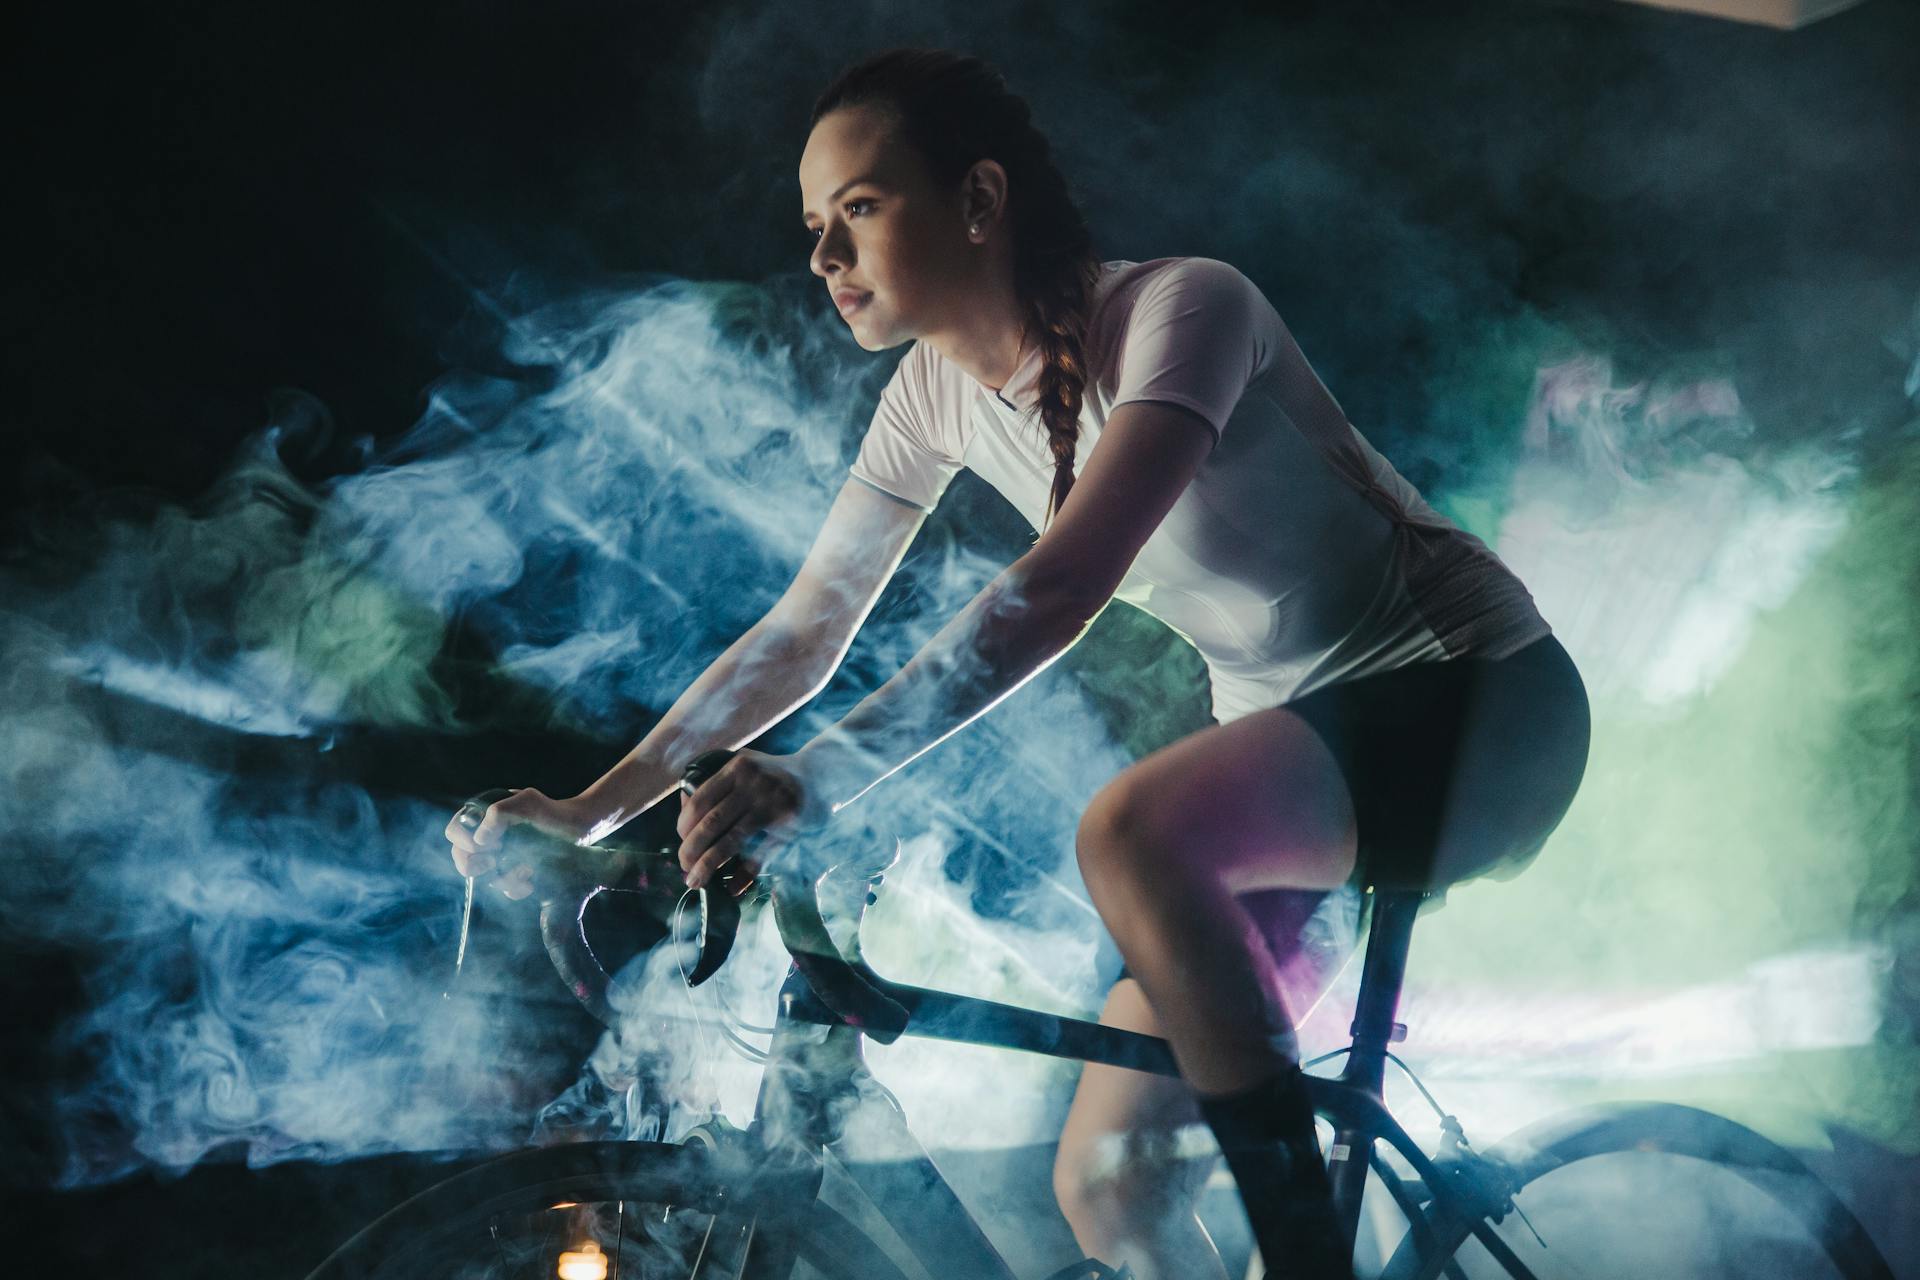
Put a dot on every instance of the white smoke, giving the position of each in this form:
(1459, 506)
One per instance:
(1650, 537)
(267, 940)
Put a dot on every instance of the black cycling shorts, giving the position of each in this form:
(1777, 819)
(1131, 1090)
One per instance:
(1458, 768)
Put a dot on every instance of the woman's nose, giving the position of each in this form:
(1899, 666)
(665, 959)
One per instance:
(831, 247)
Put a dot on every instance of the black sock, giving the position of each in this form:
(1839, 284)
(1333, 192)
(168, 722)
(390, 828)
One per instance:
(1267, 1136)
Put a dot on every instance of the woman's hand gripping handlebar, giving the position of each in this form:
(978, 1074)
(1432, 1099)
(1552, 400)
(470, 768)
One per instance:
(848, 987)
(566, 877)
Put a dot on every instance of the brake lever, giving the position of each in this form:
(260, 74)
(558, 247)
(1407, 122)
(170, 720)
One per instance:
(719, 909)
(565, 885)
(852, 991)
(469, 815)
(460, 953)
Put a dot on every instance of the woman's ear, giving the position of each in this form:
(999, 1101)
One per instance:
(983, 196)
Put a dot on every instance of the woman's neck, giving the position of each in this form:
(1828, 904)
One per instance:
(987, 341)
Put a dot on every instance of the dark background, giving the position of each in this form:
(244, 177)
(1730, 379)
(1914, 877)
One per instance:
(225, 200)
(229, 199)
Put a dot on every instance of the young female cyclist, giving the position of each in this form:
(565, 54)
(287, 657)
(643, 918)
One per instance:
(1389, 702)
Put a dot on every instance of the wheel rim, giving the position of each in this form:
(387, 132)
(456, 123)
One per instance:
(633, 1211)
(1653, 1189)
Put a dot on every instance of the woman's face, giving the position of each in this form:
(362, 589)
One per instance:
(883, 232)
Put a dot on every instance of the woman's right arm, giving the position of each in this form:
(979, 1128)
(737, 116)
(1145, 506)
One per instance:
(781, 662)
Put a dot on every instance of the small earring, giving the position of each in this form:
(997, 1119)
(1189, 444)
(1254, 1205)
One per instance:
(974, 229)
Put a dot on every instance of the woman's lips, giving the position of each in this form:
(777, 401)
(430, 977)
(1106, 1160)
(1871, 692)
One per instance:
(851, 302)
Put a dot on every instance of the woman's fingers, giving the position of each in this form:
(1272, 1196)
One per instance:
(726, 853)
(711, 826)
(473, 830)
(470, 863)
(716, 855)
(705, 796)
(732, 811)
(502, 814)
(467, 860)
(475, 862)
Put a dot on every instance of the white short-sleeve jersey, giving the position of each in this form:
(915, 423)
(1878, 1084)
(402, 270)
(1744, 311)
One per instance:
(1298, 556)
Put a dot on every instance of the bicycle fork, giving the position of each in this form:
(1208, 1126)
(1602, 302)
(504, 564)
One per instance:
(756, 1236)
(745, 1240)
(817, 1096)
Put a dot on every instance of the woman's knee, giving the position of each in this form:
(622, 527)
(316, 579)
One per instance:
(1110, 834)
(1075, 1188)
(1086, 1197)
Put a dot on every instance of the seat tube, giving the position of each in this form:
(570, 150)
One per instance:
(1389, 937)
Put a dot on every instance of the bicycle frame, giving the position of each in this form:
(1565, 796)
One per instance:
(818, 1095)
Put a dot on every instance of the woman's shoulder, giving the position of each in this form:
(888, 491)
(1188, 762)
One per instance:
(1178, 283)
(1123, 281)
(1165, 305)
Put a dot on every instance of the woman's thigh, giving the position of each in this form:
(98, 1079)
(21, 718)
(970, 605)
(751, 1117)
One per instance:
(1310, 933)
(1258, 803)
(1418, 777)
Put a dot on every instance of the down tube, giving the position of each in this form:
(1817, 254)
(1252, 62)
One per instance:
(910, 1190)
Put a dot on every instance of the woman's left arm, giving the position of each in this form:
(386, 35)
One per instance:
(1030, 614)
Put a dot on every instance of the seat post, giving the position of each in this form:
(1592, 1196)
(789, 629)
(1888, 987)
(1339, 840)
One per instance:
(1389, 936)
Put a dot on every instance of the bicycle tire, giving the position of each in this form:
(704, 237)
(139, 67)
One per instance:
(420, 1229)
(1568, 1140)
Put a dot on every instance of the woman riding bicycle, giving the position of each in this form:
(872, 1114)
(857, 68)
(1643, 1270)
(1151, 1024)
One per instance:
(1390, 706)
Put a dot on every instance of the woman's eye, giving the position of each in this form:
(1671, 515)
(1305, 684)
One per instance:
(813, 233)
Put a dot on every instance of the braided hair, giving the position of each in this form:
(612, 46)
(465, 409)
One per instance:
(955, 110)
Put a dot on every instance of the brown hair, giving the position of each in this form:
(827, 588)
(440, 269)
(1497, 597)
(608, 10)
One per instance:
(955, 111)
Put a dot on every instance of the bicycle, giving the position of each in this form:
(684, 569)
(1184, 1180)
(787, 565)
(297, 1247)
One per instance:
(748, 1203)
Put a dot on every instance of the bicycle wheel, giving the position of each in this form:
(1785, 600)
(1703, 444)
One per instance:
(583, 1211)
(1649, 1190)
